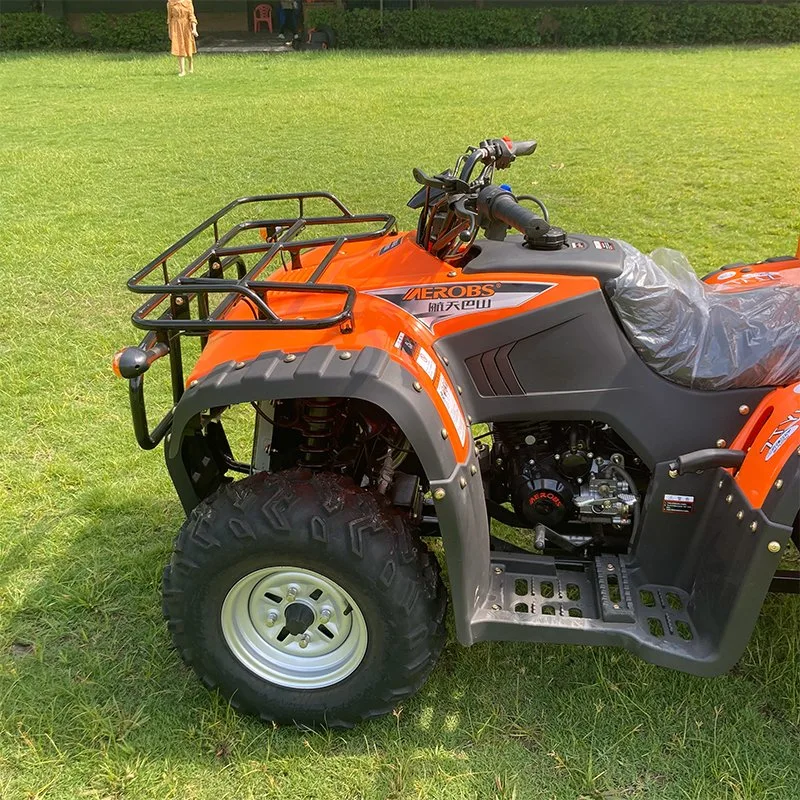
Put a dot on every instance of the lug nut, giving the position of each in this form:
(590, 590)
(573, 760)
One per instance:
(304, 640)
(325, 614)
(272, 618)
(291, 593)
(438, 494)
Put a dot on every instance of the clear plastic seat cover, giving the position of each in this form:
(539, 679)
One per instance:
(703, 338)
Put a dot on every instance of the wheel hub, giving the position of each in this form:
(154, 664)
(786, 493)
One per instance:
(294, 627)
(299, 618)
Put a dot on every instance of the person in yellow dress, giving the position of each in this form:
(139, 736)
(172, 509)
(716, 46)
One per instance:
(182, 24)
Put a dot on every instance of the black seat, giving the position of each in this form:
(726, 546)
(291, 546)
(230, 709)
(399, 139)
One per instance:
(698, 336)
(584, 255)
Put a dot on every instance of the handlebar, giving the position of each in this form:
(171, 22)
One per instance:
(496, 205)
(499, 153)
(521, 148)
(455, 205)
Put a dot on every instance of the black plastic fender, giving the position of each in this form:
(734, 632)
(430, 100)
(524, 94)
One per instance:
(369, 374)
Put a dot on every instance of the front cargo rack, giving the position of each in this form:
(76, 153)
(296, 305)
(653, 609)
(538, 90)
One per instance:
(282, 237)
(181, 306)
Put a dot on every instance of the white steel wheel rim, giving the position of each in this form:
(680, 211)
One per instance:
(294, 627)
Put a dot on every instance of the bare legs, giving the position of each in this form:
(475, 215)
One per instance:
(182, 62)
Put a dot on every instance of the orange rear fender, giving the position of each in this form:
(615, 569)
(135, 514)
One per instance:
(770, 473)
(785, 272)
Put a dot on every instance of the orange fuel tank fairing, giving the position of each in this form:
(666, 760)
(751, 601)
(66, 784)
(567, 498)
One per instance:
(393, 313)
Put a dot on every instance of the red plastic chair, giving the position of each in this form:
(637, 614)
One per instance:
(262, 14)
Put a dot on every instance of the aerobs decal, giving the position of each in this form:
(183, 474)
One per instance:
(434, 302)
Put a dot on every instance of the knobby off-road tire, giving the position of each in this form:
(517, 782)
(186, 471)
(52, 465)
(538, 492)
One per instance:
(324, 559)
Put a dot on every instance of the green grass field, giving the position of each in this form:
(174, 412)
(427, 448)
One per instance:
(104, 160)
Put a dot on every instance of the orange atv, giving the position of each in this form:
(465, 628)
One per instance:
(639, 427)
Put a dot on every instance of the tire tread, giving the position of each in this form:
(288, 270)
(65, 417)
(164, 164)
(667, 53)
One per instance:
(332, 496)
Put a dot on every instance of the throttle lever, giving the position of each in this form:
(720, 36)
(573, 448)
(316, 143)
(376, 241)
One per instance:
(460, 209)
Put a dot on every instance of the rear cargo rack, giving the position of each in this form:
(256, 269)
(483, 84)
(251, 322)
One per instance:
(181, 305)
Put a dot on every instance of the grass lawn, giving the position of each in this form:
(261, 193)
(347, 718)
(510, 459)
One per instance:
(106, 159)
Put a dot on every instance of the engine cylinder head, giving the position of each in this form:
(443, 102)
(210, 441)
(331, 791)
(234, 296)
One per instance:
(574, 464)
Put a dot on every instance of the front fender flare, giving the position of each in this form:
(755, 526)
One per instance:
(372, 375)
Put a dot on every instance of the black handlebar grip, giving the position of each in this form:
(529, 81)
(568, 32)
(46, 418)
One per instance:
(522, 148)
(498, 205)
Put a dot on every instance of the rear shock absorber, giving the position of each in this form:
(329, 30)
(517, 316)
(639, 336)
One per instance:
(317, 418)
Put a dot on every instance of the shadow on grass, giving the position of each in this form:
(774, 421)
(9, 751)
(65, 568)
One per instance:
(103, 679)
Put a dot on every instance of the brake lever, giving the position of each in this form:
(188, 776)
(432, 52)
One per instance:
(433, 182)
(446, 183)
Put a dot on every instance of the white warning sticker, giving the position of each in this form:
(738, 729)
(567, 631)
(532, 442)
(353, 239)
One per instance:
(678, 504)
(453, 409)
(426, 362)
